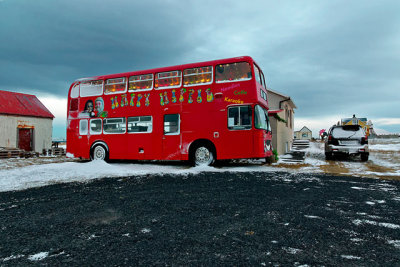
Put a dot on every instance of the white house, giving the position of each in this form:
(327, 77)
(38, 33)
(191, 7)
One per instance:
(303, 134)
(25, 122)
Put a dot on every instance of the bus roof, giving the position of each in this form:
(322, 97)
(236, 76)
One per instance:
(170, 68)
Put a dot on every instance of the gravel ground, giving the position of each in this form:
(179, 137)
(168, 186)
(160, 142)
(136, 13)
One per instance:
(204, 219)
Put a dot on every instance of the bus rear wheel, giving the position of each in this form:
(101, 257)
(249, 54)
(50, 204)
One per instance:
(203, 155)
(99, 152)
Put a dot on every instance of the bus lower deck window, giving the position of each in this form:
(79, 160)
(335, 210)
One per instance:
(171, 124)
(141, 124)
(239, 118)
(114, 125)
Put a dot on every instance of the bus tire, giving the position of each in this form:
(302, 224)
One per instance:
(202, 155)
(99, 152)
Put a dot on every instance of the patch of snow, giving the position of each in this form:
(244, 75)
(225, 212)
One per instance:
(359, 188)
(38, 256)
(312, 217)
(292, 250)
(385, 147)
(395, 243)
(351, 257)
(370, 203)
(145, 230)
(13, 257)
(387, 225)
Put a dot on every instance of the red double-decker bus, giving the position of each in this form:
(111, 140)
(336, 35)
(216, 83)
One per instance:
(199, 112)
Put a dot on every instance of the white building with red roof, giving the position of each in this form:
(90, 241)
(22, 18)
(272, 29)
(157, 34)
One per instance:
(25, 122)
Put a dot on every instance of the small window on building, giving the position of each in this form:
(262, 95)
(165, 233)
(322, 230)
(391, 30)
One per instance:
(91, 88)
(141, 82)
(171, 79)
(171, 124)
(142, 124)
(113, 86)
(83, 127)
(75, 91)
(197, 76)
(232, 72)
(114, 125)
(95, 126)
(239, 118)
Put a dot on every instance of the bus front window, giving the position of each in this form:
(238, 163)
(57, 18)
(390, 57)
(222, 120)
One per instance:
(261, 118)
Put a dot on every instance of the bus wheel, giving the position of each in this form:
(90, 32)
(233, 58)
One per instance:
(203, 156)
(99, 152)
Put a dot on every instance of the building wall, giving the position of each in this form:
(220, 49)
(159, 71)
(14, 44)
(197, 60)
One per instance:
(282, 133)
(42, 133)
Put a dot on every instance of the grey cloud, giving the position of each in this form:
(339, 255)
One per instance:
(336, 56)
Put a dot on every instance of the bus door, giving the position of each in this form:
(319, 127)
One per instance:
(240, 131)
(171, 143)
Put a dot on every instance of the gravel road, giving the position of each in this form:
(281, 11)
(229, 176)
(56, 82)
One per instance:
(256, 219)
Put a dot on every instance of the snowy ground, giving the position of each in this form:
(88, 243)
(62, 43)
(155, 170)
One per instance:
(19, 174)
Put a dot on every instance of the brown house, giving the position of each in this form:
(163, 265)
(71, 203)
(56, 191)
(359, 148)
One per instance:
(25, 122)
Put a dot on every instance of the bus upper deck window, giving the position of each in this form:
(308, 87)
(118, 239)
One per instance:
(257, 73)
(113, 86)
(91, 88)
(141, 82)
(170, 79)
(233, 72)
(197, 76)
(75, 91)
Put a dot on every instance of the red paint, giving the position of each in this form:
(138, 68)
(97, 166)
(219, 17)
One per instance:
(22, 105)
(203, 115)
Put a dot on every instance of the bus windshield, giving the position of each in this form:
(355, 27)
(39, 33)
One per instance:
(261, 118)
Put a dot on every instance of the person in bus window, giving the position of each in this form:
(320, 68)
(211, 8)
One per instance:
(99, 107)
(88, 111)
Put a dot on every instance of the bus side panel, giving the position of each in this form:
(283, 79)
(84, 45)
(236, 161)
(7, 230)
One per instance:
(204, 125)
(76, 142)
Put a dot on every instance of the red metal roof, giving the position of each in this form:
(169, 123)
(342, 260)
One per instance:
(22, 105)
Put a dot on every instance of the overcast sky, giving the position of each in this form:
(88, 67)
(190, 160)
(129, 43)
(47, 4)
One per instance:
(333, 58)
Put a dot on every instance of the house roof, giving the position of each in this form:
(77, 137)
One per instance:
(305, 129)
(19, 104)
(284, 97)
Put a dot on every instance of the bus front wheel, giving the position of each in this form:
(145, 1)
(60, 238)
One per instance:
(99, 152)
(203, 155)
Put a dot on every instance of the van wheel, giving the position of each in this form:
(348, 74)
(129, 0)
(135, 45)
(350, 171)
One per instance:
(328, 156)
(203, 155)
(364, 157)
(99, 152)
